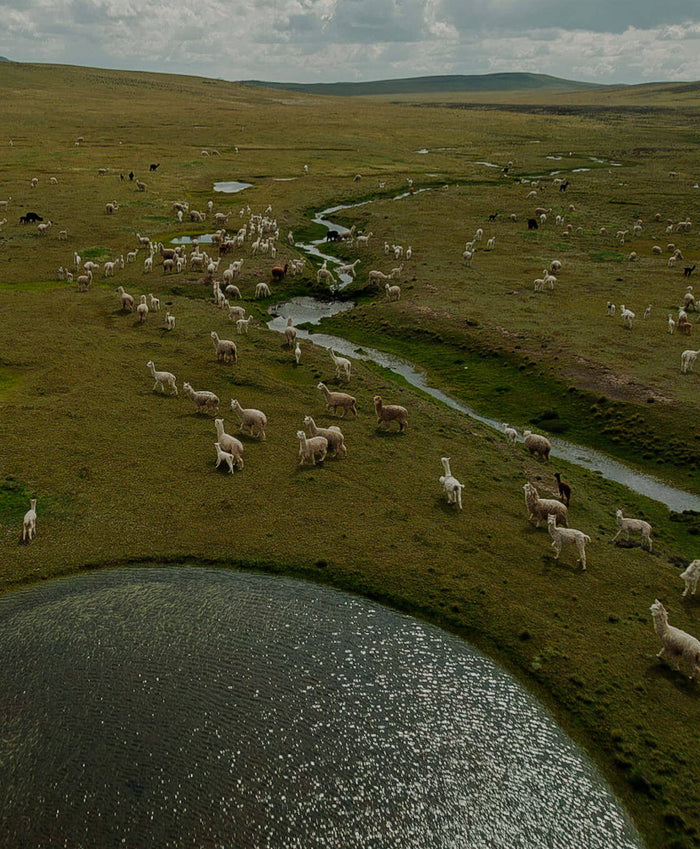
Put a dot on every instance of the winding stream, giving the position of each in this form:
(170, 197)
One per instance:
(310, 310)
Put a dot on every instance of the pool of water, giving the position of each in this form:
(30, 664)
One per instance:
(231, 186)
(187, 707)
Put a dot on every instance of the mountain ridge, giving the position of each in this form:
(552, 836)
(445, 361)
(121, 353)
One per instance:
(508, 81)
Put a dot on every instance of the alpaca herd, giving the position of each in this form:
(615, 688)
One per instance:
(316, 443)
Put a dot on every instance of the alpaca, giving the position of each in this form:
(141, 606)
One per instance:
(29, 522)
(453, 488)
(541, 508)
(224, 456)
(561, 536)
(388, 413)
(564, 489)
(677, 645)
(691, 576)
(625, 525)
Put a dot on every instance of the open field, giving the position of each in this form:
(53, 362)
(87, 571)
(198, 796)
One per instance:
(125, 475)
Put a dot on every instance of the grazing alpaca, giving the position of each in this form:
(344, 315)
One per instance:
(677, 645)
(564, 489)
(538, 445)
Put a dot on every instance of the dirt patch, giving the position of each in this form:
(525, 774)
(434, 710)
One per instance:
(596, 378)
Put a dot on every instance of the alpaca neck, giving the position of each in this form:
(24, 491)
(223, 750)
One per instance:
(660, 623)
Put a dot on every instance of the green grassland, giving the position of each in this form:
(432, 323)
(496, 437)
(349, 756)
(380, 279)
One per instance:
(124, 475)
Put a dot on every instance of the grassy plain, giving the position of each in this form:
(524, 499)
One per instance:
(126, 476)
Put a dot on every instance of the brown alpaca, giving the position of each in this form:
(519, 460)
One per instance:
(564, 489)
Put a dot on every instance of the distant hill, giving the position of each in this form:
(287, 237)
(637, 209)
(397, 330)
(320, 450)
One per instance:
(435, 84)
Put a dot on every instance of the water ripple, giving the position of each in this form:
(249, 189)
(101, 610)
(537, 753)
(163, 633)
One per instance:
(192, 707)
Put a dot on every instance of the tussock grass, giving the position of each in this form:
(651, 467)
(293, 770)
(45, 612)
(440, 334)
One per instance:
(124, 475)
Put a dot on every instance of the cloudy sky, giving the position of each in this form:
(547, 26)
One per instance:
(355, 40)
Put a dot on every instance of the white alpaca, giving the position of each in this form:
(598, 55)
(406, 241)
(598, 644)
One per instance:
(29, 522)
(254, 420)
(453, 488)
(688, 360)
(297, 353)
(570, 536)
(312, 450)
(625, 525)
(333, 436)
(225, 456)
(627, 316)
(203, 400)
(691, 576)
(677, 645)
(162, 378)
(229, 443)
(510, 433)
(242, 325)
(169, 321)
(226, 351)
(142, 309)
(342, 365)
(127, 300)
(290, 333)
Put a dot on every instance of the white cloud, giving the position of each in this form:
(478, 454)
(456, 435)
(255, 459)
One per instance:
(331, 40)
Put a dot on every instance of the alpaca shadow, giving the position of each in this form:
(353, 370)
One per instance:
(625, 543)
(303, 467)
(659, 669)
(575, 567)
(443, 505)
(386, 433)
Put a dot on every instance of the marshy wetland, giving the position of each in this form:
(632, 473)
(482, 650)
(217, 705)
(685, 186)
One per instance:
(124, 476)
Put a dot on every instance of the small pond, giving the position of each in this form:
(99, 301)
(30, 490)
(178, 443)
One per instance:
(231, 186)
(187, 707)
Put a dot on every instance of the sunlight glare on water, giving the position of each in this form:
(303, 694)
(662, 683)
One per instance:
(189, 707)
